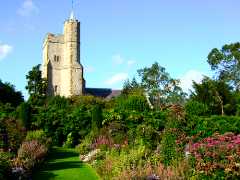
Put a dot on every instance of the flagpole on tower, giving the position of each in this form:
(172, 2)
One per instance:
(72, 5)
(72, 13)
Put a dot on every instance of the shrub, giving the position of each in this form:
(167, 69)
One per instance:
(86, 144)
(132, 102)
(69, 141)
(168, 147)
(4, 165)
(196, 108)
(97, 117)
(24, 114)
(38, 135)
(30, 154)
(116, 160)
(159, 171)
(217, 156)
(11, 134)
(205, 127)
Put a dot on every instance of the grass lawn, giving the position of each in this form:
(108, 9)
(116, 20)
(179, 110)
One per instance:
(64, 164)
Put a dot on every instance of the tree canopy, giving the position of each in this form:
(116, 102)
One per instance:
(8, 94)
(160, 86)
(216, 94)
(226, 63)
(36, 85)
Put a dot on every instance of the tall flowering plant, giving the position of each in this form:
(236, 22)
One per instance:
(217, 153)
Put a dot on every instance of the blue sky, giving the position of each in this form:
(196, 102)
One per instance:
(119, 37)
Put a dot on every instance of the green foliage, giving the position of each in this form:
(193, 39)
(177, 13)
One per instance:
(30, 154)
(24, 114)
(216, 95)
(36, 86)
(8, 94)
(196, 108)
(69, 141)
(59, 117)
(202, 127)
(132, 102)
(11, 134)
(161, 88)
(226, 63)
(38, 135)
(97, 117)
(85, 146)
(130, 87)
(168, 146)
(4, 165)
(6, 110)
(116, 161)
(86, 101)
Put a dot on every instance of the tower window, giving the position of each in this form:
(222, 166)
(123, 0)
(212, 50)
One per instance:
(56, 58)
(55, 88)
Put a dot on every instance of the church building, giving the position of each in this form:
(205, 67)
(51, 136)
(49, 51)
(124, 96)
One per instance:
(62, 66)
(61, 61)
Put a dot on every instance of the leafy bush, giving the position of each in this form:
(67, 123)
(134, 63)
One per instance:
(11, 134)
(196, 108)
(205, 127)
(117, 160)
(59, 118)
(217, 156)
(69, 141)
(4, 165)
(132, 102)
(8, 94)
(84, 147)
(30, 154)
(182, 170)
(168, 146)
(40, 136)
(24, 114)
(97, 117)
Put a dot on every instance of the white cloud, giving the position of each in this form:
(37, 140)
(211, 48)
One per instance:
(131, 63)
(89, 69)
(27, 8)
(5, 49)
(117, 59)
(119, 77)
(188, 77)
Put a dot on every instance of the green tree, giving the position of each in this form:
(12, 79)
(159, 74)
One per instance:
(226, 63)
(8, 94)
(36, 85)
(24, 115)
(162, 89)
(130, 87)
(97, 117)
(216, 94)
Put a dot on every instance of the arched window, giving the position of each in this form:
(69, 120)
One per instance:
(56, 58)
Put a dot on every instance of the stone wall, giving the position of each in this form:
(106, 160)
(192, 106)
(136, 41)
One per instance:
(61, 61)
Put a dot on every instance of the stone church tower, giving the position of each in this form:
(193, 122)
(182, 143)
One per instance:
(61, 61)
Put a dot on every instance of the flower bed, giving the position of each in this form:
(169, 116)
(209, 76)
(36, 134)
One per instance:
(217, 154)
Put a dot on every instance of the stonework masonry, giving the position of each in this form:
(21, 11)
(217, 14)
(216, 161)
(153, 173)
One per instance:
(61, 61)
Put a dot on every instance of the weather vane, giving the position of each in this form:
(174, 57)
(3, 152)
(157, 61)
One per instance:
(72, 12)
(72, 5)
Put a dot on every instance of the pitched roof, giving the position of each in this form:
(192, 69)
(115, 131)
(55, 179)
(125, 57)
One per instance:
(103, 92)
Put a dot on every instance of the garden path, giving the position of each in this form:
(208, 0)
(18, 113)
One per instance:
(64, 164)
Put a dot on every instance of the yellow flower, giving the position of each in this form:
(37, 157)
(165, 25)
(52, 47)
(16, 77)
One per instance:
(227, 170)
